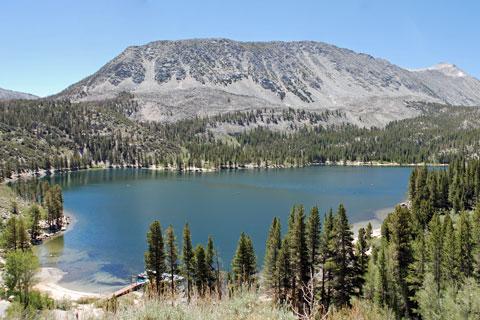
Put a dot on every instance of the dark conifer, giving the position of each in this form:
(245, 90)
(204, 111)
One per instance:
(201, 270)
(209, 256)
(155, 257)
(271, 256)
(244, 261)
(171, 248)
(35, 217)
(400, 240)
(187, 258)
(464, 246)
(449, 263)
(345, 272)
(435, 250)
(361, 248)
(284, 271)
(313, 237)
(299, 254)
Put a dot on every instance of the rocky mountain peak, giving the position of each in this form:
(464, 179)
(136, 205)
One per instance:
(172, 80)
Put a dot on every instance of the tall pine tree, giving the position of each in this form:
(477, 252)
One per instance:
(313, 235)
(400, 241)
(345, 272)
(299, 255)
(171, 247)
(155, 257)
(209, 255)
(187, 258)
(271, 256)
(244, 261)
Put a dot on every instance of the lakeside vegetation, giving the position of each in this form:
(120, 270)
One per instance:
(425, 265)
(40, 216)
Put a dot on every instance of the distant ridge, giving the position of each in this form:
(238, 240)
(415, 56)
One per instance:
(173, 80)
(9, 94)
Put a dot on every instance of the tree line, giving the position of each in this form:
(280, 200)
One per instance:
(303, 255)
(457, 187)
(60, 135)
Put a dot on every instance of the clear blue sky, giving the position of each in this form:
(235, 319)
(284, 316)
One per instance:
(48, 45)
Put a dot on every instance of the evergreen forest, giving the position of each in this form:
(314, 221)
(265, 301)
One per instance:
(50, 135)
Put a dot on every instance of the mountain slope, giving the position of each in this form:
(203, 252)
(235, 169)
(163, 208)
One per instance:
(9, 94)
(173, 80)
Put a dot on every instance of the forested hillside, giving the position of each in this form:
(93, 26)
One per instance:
(59, 135)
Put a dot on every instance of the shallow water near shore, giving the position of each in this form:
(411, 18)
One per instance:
(114, 208)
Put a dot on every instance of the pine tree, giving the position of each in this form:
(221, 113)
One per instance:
(171, 249)
(417, 268)
(442, 192)
(400, 240)
(58, 204)
(361, 248)
(272, 249)
(10, 235)
(464, 246)
(449, 260)
(35, 217)
(209, 255)
(382, 284)
(244, 261)
(411, 184)
(23, 236)
(155, 257)
(284, 270)
(325, 258)
(313, 235)
(345, 273)
(476, 241)
(435, 250)
(201, 269)
(299, 254)
(51, 208)
(369, 233)
(251, 269)
(187, 258)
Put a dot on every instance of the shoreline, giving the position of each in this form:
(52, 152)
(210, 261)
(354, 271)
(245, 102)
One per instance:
(43, 173)
(48, 279)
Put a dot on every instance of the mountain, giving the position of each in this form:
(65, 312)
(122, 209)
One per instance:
(9, 94)
(173, 80)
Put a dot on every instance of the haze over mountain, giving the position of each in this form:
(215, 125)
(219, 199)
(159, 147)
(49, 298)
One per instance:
(9, 94)
(172, 80)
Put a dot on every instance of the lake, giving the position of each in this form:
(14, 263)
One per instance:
(112, 210)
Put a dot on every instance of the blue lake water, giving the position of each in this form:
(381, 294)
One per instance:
(113, 209)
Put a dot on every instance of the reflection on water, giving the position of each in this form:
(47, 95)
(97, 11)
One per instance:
(114, 208)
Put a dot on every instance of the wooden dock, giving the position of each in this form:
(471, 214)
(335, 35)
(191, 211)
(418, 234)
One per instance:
(127, 289)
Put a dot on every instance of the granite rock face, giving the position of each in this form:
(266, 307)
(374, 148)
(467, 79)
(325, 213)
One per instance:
(172, 80)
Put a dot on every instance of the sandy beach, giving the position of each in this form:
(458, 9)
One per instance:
(48, 279)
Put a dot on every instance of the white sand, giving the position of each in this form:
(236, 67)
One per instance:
(48, 283)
